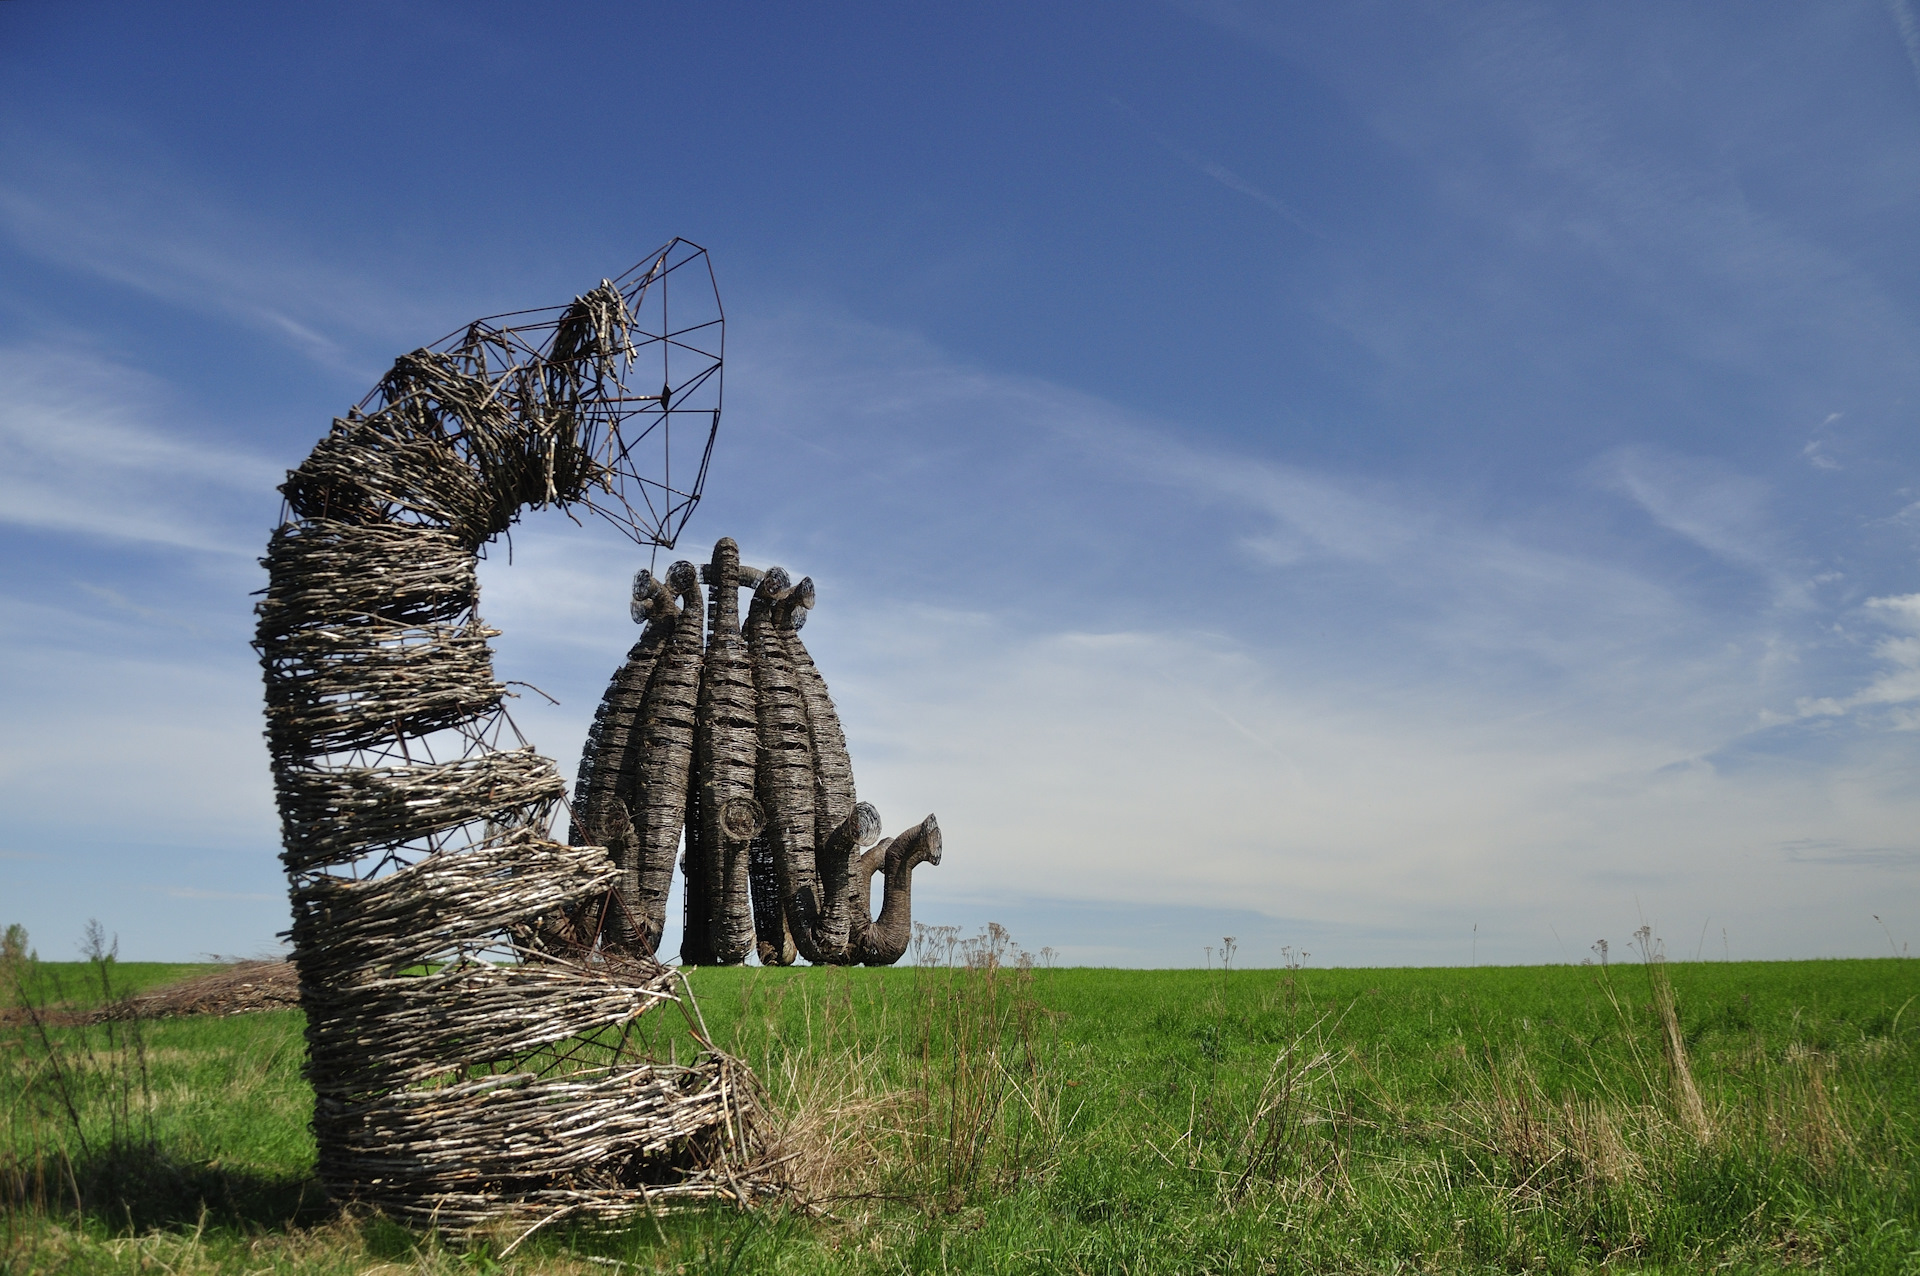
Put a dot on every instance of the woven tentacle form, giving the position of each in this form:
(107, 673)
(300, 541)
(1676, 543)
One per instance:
(887, 938)
(834, 795)
(608, 795)
(664, 760)
(784, 774)
(458, 1077)
(726, 745)
(787, 781)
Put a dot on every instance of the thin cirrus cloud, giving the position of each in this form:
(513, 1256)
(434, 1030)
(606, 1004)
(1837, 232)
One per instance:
(1141, 751)
(1219, 172)
(1146, 519)
(131, 223)
(1548, 133)
(86, 450)
(1895, 688)
(1828, 851)
(1708, 503)
(1143, 676)
(1101, 746)
(1909, 28)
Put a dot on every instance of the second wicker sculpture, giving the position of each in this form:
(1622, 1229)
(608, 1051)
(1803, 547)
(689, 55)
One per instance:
(737, 742)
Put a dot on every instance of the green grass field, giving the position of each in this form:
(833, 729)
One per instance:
(1492, 1119)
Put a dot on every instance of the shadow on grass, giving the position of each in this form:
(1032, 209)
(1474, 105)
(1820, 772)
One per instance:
(141, 1187)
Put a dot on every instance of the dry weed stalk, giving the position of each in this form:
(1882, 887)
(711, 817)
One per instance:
(98, 1064)
(1277, 1146)
(988, 1109)
(1673, 1042)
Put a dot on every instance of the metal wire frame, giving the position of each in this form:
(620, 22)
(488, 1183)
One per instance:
(668, 318)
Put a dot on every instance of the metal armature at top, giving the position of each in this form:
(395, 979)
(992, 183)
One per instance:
(611, 401)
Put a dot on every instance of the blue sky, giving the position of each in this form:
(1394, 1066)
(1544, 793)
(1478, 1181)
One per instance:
(1414, 484)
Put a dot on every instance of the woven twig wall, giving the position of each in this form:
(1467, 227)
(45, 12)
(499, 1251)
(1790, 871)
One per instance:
(462, 1070)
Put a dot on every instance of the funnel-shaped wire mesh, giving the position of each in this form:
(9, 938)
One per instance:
(613, 400)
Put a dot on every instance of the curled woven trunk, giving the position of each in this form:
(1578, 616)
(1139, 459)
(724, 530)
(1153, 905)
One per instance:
(887, 938)
(784, 778)
(814, 897)
(833, 791)
(726, 746)
(664, 759)
(607, 793)
(459, 1074)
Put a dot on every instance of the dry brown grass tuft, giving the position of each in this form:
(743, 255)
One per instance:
(1687, 1107)
(840, 1132)
(1799, 1112)
(1534, 1148)
(941, 1103)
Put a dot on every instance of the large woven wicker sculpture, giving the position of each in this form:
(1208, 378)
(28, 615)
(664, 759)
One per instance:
(461, 1069)
(774, 834)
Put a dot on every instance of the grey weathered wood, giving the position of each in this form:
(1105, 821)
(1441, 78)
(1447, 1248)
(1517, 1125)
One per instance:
(610, 789)
(726, 745)
(891, 931)
(502, 1080)
(768, 867)
(664, 761)
(814, 896)
(834, 794)
(783, 772)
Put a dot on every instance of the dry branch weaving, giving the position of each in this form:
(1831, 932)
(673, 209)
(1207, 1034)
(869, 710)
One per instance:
(471, 1041)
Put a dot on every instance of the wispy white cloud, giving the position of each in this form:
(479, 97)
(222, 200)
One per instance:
(1816, 452)
(1148, 766)
(83, 452)
(106, 742)
(1897, 685)
(1722, 511)
(1567, 157)
(1530, 725)
(1527, 741)
(1830, 851)
(1217, 171)
(1909, 30)
(122, 218)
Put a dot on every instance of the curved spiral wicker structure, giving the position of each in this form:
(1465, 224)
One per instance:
(471, 1042)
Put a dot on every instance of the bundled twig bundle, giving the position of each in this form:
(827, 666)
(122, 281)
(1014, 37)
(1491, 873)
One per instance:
(470, 1043)
(242, 988)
